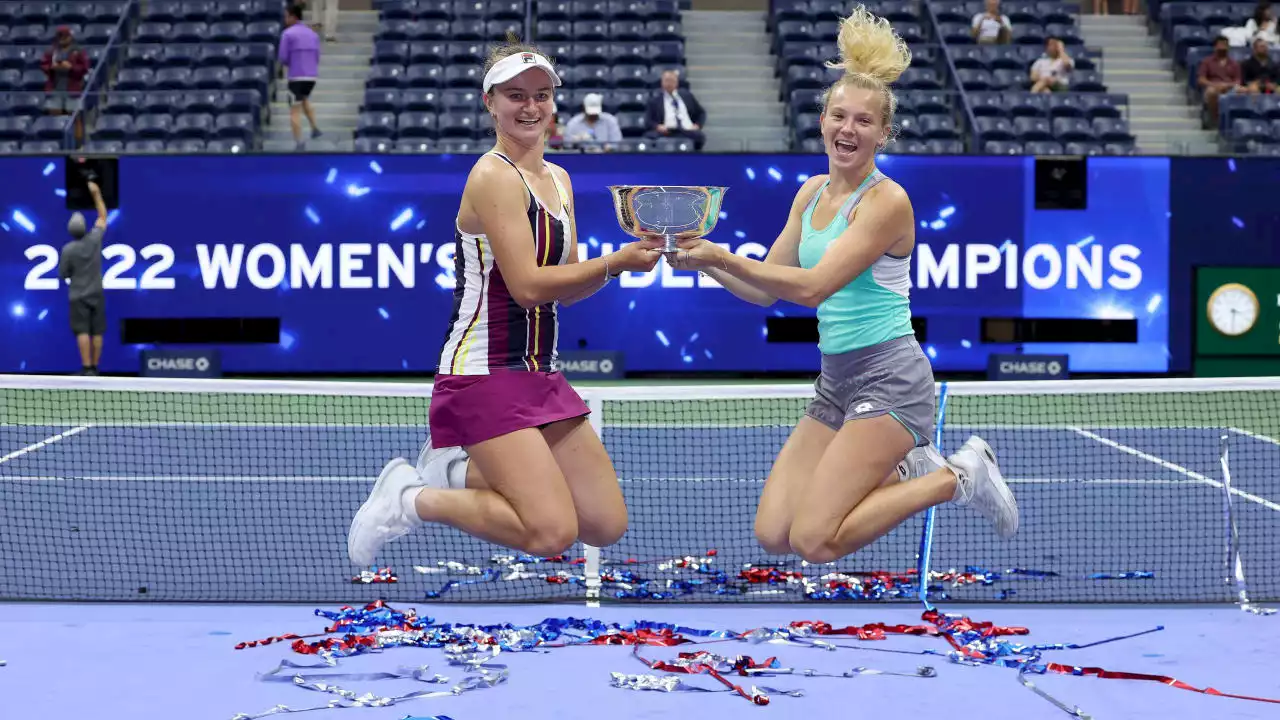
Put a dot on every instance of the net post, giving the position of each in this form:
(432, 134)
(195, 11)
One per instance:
(590, 554)
(926, 535)
(1235, 566)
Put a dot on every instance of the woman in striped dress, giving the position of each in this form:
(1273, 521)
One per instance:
(511, 458)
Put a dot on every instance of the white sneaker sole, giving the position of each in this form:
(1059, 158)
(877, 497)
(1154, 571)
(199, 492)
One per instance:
(376, 497)
(988, 458)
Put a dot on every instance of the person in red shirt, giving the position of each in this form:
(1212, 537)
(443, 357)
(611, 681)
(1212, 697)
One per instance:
(65, 66)
(1218, 74)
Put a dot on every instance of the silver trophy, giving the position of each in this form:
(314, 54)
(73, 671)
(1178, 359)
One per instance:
(674, 212)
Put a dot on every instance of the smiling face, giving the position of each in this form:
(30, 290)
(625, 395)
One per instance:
(524, 107)
(854, 126)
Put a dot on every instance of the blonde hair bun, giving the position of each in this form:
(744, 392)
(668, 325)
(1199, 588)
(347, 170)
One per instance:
(870, 47)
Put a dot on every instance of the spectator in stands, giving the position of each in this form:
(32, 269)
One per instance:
(300, 53)
(1262, 24)
(1218, 74)
(991, 27)
(1259, 73)
(675, 112)
(65, 65)
(593, 128)
(1050, 73)
(80, 266)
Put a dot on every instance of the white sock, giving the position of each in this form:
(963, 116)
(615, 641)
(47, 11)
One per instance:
(408, 503)
(963, 483)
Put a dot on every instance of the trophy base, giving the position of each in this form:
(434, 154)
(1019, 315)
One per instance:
(670, 244)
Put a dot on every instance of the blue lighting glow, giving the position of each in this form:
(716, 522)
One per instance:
(1231, 164)
(631, 305)
(286, 340)
(18, 310)
(1237, 222)
(966, 344)
(739, 234)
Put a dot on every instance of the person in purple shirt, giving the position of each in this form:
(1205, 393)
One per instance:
(300, 53)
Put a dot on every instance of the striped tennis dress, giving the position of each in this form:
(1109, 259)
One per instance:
(497, 370)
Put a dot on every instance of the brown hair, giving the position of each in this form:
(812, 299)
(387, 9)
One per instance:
(873, 56)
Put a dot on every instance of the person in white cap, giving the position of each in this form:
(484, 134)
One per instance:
(510, 457)
(593, 128)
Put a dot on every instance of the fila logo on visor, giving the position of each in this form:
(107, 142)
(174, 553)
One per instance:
(528, 58)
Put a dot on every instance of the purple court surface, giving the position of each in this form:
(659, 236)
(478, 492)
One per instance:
(178, 662)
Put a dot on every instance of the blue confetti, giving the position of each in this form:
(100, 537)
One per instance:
(592, 241)
(286, 339)
(932, 352)
(1005, 245)
(776, 174)
(23, 221)
(374, 166)
(802, 178)
(1237, 222)
(662, 338)
(751, 174)
(937, 224)
(420, 224)
(1231, 164)
(724, 215)
(947, 211)
(693, 337)
(631, 305)
(43, 314)
(48, 170)
(1154, 303)
(764, 331)
(111, 216)
(60, 192)
(311, 215)
(739, 234)
(966, 344)
(383, 312)
(333, 175)
(707, 353)
(1084, 241)
(779, 313)
(356, 191)
(405, 216)
(22, 365)
(4, 225)
(404, 364)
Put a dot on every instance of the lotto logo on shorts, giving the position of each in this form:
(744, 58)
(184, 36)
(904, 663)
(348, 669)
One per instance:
(864, 407)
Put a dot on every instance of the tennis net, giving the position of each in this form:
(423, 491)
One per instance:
(228, 490)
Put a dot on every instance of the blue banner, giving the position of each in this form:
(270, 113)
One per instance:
(354, 255)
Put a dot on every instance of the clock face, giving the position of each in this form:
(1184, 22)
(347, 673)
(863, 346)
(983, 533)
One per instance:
(1233, 309)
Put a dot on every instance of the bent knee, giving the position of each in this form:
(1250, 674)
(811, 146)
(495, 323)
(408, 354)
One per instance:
(773, 536)
(603, 528)
(550, 536)
(814, 543)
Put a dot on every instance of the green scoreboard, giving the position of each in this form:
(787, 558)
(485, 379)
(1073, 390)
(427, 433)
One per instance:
(1237, 325)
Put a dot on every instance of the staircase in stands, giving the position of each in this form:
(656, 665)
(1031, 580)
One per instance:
(344, 65)
(1159, 115)
(731, 72)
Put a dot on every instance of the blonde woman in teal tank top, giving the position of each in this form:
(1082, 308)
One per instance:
(860, 461)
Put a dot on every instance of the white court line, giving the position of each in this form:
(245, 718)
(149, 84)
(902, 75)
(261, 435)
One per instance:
(44, 443)
(1255, 436)
(1176, 468)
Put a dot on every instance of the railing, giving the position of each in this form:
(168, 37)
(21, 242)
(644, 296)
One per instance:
(970, 120)
(99, 76)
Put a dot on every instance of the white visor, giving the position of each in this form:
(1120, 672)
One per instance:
(512, 65)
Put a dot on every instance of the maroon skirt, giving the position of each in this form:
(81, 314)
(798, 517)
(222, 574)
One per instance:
(469, 409)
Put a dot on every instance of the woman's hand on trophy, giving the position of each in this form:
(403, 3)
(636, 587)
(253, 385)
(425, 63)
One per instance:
(638, 256)
(696, 254)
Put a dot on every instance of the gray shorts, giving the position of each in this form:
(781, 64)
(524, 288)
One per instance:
(894, 377)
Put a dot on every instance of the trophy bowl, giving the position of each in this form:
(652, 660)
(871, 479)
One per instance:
(674, 212)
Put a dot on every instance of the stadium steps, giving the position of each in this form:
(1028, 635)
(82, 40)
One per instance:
(344, 66)
(1159, 115)
(731, 72)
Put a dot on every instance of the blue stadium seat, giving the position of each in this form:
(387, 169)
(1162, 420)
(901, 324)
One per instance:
(468, 30)
(148, 145)
(806, 125)
(415, 145)
(135, 79)
(1087, 81)
(456, 124)
(1073, 129)
(1002, 78)
(48, 127)
(427, 53)
(152, 127)
(1031, 128)
(385, 76)
(1112, 130)
(1028, 104)
(186, 145)
(424, 76)
(463, 75)
(417, 125)
(112, 127)
(211, 78)
(938, 127)
(457, 145)
(1002, 147)
(460, 100)
(227, 145)
(26, 103)
(988, 104)
(590, 31)
(629, 31)
(193, 125)
(372, 144)
(994, 128)
(908, 127)
(381, 100)
(172, 78)
(1083, 148)
(974, 79)
(421, 100)
(102, 146)
(376, 125)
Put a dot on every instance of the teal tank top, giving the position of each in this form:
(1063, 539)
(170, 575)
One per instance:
(875, 306)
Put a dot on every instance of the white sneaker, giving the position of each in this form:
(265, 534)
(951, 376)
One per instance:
(450, 473)
(382, 517)
(919, 462)
(980, 485)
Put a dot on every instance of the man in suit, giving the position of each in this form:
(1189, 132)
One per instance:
(675, 112)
